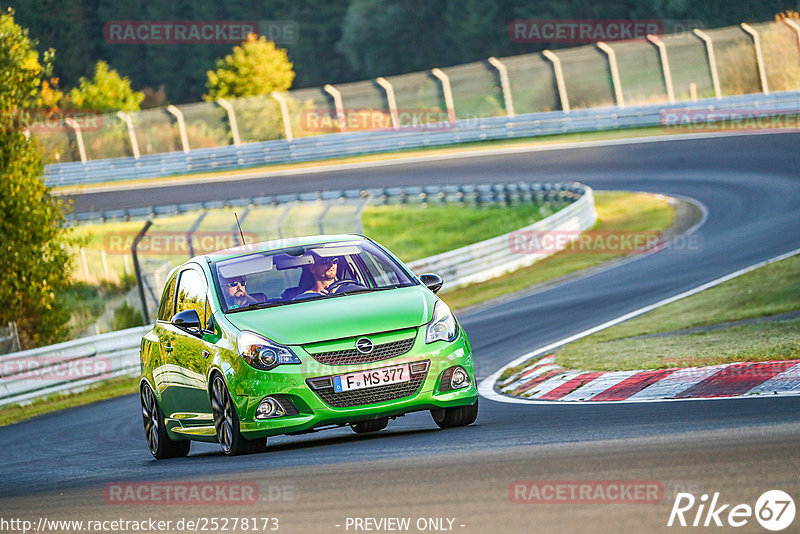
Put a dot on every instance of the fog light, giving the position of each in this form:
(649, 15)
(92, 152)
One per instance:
(454, 378)
(270, 407)
(459, 379)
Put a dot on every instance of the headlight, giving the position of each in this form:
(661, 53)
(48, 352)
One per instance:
(442, 326)
(262, 353)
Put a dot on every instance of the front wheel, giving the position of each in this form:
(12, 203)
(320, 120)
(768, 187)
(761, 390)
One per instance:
(455, 416)
(226, 423)
(158, 440)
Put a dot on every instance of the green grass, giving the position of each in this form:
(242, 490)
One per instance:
(769, 290)
(616, 211)
(412, 232)
(106, 390)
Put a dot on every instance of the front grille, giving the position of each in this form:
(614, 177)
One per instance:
(384, 351)
(360, 397)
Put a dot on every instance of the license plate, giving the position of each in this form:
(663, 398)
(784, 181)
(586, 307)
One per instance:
(372, 378)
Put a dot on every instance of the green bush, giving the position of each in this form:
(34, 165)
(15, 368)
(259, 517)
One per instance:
(126, 316)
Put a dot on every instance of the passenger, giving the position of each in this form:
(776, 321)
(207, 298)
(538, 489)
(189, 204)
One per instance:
(236, 294)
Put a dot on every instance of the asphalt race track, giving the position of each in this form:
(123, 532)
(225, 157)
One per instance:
(57, 465)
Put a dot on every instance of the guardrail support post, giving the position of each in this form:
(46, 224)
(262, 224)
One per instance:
(762, 74)
(337, 102)
(178, 114)
(448, 93)
(796, 27)
(712, 62)
(131, 133)
(612, 64)
(505, 84)
(662, 52)
(138, 271)
(72, 123)
(391, 100)
(228, 107)
(559, 72)
(192, 230)
(287, 120)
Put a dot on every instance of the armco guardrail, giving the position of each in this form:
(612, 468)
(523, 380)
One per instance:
(72, 365)
(69, 366)
(494, 257)
(371, 142)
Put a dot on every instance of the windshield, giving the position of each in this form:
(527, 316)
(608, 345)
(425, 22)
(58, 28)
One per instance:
(302, 273)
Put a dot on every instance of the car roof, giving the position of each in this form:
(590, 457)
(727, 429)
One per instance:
(267, 246)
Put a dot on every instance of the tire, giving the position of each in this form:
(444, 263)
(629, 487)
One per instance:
(374, 425)
(160, 444)
(226, 422)
(455, 416)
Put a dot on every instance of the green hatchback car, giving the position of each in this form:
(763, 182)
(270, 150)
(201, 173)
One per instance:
(295, 336)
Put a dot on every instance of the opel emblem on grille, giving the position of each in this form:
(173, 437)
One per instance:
(364, 345)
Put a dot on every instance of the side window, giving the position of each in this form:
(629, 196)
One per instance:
(192, 294)
(167, 306)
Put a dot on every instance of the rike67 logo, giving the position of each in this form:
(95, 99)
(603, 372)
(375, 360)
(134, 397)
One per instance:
(774, 510)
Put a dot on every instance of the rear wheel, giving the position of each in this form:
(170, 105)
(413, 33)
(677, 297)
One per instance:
(226, 422)
(455, 416)
(374, 425)
(158, 440)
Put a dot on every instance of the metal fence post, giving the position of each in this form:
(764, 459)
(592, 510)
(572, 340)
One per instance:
(505, 84)
(391, 100)
(662, 52)
(72, 123)
(712, 62)
(612, 64)
(762, 74)
(287, 120)
(560, 85)
(138, 271)
(192, 230)
(448, 92)
(131, 133)
(228, 107)
(337, 102)
(796, 27)
(178, 114)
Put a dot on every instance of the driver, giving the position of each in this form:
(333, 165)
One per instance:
(323, 274)
(236, 293)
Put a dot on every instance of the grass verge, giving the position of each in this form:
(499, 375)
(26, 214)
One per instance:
(616, 212)
(105, 390)
(769, 290)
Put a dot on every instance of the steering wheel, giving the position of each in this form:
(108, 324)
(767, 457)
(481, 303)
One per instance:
(339, 283)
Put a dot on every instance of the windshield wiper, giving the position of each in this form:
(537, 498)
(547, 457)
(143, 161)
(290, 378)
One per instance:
(260, 306)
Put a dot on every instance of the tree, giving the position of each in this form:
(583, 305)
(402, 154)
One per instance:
(257, 67)
(106, 91)
(34, 259)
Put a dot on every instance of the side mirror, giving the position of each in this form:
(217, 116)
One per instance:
(432, 281)
(188, 320)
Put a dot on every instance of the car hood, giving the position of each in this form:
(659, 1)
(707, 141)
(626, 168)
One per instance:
(339, 317)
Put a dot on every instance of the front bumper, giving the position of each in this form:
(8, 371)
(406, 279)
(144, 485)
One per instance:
(291, 381)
